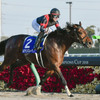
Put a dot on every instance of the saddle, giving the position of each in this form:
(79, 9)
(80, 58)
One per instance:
(28, 47)
(29, 43)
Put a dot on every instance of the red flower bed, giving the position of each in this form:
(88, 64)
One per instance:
(24, 78)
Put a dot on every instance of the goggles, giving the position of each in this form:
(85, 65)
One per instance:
(55, 16)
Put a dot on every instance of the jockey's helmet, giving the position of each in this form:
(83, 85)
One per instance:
(55, 13)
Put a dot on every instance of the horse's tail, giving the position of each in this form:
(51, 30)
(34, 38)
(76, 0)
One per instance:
(2, 46)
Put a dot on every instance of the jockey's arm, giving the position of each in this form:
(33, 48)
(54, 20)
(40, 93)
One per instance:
(42, 29)
(59, 29)
(43, 25)
(57, 24)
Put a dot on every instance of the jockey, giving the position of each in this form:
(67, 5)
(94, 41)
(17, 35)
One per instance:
(42, 24)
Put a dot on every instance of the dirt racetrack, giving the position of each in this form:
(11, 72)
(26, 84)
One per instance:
(46, 96)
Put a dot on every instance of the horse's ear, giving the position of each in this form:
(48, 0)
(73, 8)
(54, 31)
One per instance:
(68, 24)
(80, 23)
(74, 25)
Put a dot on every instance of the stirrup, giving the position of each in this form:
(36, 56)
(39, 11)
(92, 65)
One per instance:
(38, 48)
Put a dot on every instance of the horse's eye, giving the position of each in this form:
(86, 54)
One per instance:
(80, 33)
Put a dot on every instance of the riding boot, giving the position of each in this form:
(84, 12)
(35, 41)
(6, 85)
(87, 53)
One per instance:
(38, 41)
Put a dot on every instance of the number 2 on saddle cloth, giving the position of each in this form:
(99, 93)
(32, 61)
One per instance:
(28, 46)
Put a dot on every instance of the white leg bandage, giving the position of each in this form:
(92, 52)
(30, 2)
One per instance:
(67, 90)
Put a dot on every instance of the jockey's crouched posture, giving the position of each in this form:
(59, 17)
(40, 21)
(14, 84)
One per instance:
(42, 24)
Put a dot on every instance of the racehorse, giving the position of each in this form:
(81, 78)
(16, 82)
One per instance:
(55, 46)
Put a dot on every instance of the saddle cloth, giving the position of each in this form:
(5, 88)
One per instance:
(28, 46)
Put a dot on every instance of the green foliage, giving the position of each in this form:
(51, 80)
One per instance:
(90, 30)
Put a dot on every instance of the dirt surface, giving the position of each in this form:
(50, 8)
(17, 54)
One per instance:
(46, 96)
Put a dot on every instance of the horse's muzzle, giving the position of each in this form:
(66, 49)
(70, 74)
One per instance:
(88, 44)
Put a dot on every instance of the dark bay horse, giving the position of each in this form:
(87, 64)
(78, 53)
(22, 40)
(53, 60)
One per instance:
(55, 46)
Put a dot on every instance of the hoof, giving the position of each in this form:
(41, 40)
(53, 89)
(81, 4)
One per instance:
(35, 90)
(71, 95)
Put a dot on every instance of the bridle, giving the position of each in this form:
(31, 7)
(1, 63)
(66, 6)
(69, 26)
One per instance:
(77, 35)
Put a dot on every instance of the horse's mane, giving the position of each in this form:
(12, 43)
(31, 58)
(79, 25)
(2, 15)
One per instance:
(63, 31)
(59, 35)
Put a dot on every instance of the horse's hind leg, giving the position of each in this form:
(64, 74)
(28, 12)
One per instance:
(11, 76)
(8, 60)
(4, 65)
(18, 63)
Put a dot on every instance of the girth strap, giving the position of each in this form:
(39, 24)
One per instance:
(39, 59)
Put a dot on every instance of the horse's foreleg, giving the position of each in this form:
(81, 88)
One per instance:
(37, 89)
(47, 74)
(58, 71)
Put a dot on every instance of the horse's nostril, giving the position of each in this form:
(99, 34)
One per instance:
(90, 43)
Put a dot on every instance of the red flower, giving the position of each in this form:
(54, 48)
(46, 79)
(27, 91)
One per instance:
(24, 78)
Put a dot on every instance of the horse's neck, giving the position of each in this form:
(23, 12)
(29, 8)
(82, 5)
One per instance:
(63, 41)
(69, 42)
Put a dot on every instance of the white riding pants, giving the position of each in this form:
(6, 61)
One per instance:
(36, 26)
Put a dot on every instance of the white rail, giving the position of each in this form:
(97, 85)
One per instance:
(83, 54)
